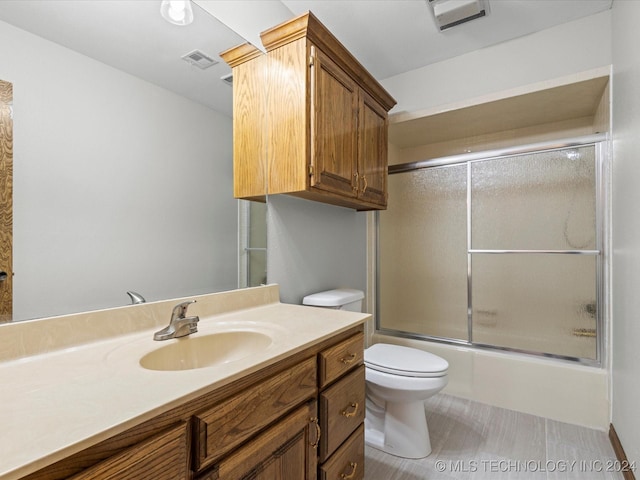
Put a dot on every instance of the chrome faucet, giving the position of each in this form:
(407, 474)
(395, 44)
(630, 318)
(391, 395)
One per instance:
(180, 325)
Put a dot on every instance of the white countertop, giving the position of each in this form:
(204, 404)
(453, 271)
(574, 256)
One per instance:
(57, 403)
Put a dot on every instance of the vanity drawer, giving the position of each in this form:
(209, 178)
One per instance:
(162, 457)
(342, 408)
(285, 451)
(339, 359)
(348, 461)
(225, 425)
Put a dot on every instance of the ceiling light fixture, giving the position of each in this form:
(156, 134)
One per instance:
(178, 12)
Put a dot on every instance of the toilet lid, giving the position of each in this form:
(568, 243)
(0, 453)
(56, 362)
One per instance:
(404, 361)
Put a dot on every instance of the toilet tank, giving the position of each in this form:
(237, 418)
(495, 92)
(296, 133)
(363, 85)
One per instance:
(340, 299)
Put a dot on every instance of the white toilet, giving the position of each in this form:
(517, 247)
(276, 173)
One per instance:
(399, 380)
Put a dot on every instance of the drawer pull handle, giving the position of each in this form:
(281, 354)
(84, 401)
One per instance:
(349, 359)
(354, 467)
(353, 412)
(314, 420)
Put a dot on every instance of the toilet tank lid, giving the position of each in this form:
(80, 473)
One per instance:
(333, 298)
(398, 358)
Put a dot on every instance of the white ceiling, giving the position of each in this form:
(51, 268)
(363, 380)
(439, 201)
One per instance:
(389, 37)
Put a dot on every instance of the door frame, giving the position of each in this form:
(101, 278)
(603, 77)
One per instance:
(6, 200)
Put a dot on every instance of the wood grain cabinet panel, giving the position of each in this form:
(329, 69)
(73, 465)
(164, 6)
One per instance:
(348, 461)
(372, 150)
(162, 457)
(224, 426)
(339, 359)
(325, 118)
(334, 130)
(286, 451)
(250, 171)
(342, 408)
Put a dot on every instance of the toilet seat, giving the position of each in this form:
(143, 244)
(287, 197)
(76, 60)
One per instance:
(404, 361)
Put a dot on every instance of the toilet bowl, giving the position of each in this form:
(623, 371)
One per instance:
(399, 380)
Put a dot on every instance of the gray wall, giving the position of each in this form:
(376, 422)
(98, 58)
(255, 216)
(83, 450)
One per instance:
(626, 226)
(314, 247)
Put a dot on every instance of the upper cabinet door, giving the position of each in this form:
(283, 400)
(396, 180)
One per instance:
(322, 121)
(334, 134)
(372, 151)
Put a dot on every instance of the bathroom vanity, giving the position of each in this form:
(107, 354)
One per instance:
(289, 408)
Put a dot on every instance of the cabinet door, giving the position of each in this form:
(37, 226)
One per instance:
(342, 408)
(348, 461)
(285, 451)
(372, 151)
(162, 457)
(334, 139)
(231, 422)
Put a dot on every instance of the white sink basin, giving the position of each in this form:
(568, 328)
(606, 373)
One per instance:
(200, 351)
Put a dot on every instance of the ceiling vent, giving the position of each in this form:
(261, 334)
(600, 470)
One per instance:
(228, 78)
(449, 13)
(199, 59)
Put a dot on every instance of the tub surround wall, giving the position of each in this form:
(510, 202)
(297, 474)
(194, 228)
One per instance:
(560, 391)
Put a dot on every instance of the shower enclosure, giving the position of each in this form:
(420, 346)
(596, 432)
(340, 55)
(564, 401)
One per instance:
(501, 250)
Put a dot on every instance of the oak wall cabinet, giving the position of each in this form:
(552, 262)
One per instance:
(309, 120)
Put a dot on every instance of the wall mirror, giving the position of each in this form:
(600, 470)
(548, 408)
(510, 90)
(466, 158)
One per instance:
(122, 155)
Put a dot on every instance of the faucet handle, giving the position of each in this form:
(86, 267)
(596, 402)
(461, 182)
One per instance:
(180, 310)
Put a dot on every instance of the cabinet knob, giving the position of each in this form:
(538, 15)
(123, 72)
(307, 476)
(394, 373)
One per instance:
(365, 184)
(3, 276)
(354, 467)
(349, 359)
(354, 187)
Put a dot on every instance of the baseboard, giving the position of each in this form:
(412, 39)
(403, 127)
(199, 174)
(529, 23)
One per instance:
(620, 455)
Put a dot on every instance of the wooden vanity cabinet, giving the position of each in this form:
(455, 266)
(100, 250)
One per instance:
(324, 119)
(162, 456)
(229, 423)
(328, 432)
(342, 410)
(284, 421)
(285, 451)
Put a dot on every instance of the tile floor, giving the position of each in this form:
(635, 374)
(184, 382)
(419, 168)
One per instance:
(477, 441)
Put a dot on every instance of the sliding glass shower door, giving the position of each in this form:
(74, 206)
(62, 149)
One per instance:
(423, 253)
(501, 252)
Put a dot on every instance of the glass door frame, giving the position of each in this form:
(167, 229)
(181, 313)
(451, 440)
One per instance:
(602, 146)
